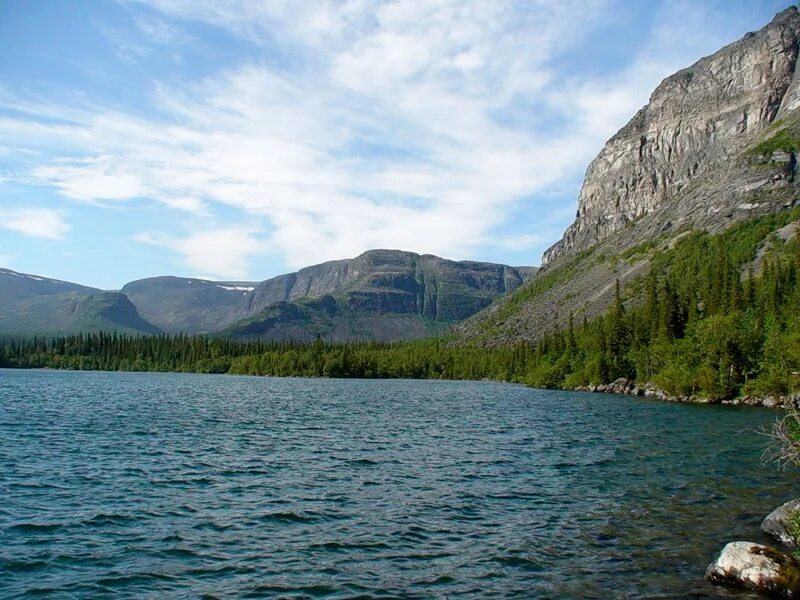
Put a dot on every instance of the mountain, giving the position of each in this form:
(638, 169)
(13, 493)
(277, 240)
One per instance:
(38, 305)
(380, 295)
(716, 144)
(179, 304)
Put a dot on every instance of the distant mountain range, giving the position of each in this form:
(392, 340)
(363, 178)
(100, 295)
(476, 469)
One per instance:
(380, 295)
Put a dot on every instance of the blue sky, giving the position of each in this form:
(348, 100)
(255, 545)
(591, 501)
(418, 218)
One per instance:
(238, 139)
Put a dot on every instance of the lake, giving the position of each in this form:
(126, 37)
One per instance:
(143, 485)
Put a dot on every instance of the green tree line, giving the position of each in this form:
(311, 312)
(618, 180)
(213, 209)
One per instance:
(431, 358)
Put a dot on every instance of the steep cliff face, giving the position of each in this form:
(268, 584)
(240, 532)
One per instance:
(718, 143)
(379, 295)
(691, 135)
(375, 282)
(396, 281)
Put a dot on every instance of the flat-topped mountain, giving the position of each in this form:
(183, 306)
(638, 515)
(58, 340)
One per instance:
(379, 295)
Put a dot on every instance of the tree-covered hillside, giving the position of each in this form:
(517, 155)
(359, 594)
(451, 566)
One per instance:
(716, 316)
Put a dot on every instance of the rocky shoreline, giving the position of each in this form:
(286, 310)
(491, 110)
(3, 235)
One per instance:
(631, 388)
(741, 564)
(763, 568)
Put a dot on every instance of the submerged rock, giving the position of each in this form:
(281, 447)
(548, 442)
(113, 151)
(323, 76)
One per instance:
(756, 567)
(783, 523)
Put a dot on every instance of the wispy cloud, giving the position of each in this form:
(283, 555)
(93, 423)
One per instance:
(37, 222)
(406, 124)
(150, 34)
(221, 253)
(159, 31)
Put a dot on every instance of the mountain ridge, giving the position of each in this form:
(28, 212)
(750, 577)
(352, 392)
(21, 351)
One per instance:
(30, 304)
(368, 289)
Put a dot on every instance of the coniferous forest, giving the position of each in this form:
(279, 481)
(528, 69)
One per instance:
(708, 319)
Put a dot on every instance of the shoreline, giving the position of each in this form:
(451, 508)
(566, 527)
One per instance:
(626, 387)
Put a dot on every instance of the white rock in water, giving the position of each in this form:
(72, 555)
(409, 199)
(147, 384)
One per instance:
(756, 567)
(777, 523)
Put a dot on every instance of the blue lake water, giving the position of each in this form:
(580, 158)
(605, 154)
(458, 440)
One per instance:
(135, 485)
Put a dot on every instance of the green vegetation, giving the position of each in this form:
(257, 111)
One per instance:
(784, 140)
(701, 322)
(785, 450)
(794, 525)
(538, 286)
(694, 325)
(785, 136)
(417, 359)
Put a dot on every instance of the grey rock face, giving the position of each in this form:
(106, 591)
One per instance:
(777, 523)
(756, 567)
(697, 123)
(396, 281)
(379, 295)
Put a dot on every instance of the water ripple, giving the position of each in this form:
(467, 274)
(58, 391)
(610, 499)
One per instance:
(186, 486)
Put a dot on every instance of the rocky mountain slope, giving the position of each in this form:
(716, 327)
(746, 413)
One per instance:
(717, 143)
(686, 144)
(180, 304)
(38, 305)
(379, 295)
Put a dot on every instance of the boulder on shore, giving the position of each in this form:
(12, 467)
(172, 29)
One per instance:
(756, 567)
(779, 524)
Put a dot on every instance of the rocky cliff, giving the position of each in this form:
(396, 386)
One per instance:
(397, 281)
(379, 295)
(686, 144)
(717, 144)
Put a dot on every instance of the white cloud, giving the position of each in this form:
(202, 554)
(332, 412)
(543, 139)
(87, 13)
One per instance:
(519, 242)
(90, 179)
(36, 222)
(149, 34)
(159, 31)
(391, 129)
(222, 253)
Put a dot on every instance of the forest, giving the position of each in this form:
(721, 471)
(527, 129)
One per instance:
(707, 320)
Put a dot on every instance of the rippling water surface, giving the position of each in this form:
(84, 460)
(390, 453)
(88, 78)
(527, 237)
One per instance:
(184, 486)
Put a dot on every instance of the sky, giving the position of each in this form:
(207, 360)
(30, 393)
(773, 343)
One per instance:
(241, 139)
